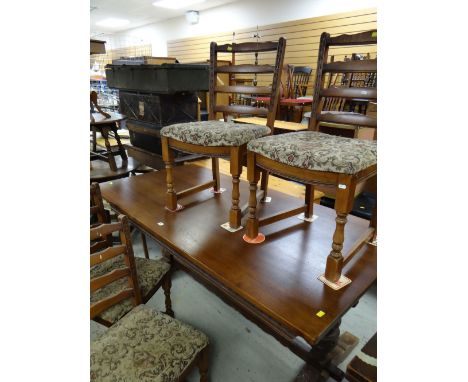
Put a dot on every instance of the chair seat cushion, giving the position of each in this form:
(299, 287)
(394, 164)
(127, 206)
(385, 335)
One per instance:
(145, 345)
(318, 151)
(214, 133)
(149, 273)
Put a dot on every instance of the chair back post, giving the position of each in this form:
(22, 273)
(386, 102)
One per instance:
(272, 91)
(97, 205)
(128, 272)
(319, 79)
(213, 80)
(275, 91)
(340, 94)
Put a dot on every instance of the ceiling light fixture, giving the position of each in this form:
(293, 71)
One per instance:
(112, 23)
(176, 4)
(192, 17)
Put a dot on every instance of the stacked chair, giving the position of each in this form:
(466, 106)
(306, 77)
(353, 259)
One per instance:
(314, 158)
(151, 273)
(143, 344)
(225, 138)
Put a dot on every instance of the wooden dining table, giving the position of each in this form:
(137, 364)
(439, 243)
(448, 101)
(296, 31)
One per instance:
(274, 284)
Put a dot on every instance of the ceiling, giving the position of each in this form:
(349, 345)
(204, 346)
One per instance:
(138, 12)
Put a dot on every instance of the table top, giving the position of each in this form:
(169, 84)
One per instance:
(279, 276)
(99, 119)
(100, 171)
(284, 125)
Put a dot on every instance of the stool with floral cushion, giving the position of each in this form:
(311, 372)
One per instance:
(315, 158)
(222, 138)
(144, 344)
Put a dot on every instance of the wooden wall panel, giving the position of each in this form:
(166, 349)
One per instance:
(303, 37)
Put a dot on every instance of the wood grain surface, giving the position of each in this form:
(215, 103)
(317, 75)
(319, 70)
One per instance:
(278, 277)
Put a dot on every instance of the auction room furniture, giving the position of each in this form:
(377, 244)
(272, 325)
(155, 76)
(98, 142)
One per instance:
(99, 215)
(144, 342)
(151, 274)
(219, 138)
(275, 284)
(314, 158)
(154, 96)
(293, 98)
(363, 366)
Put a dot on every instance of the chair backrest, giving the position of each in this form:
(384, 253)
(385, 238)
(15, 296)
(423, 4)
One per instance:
(128, 271)
(327, 89)
(269, 91)
(299, 80)
(97, 211)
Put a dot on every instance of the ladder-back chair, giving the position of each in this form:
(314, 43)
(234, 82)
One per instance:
(314, 158)
(152, 274)
(225, 138)
(142, 342)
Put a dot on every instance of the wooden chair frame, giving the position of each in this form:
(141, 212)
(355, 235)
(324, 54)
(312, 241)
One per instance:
(102, 244)
(235, 154)
(345, 184)
(133, 290)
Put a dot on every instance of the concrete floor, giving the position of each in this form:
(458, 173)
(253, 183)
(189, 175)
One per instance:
(240, 350)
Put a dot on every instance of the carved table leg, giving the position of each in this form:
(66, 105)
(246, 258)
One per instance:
(319, 362)
(122, 151)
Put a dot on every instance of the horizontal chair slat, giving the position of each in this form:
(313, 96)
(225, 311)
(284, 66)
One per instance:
(245, 68)
(98, 245)
(345, 92)
(107, 254)
(347, 119)
(106, 303)
(241, 109)
(368, 37)
(241, 89)
(357, 66)
(103, 230)
(246, 47)
(108, 278)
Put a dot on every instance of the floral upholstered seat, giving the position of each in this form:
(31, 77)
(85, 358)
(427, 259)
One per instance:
(149, 273)
(317, 151)
(214, 133)
(144, 346)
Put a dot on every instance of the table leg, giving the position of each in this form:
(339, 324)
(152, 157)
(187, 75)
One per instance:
(319, 365)
(122, 152)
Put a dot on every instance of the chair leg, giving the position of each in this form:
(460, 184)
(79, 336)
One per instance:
(167, 284)
(168, 158)
(264, 185)
(235, 214)
(343, 204)
(253, 175)
(145, 246)
(309, 201)
(109, 154)
(373, 222)
(203, 364)
(215, 169)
